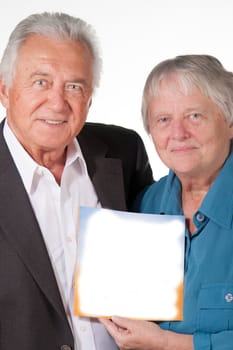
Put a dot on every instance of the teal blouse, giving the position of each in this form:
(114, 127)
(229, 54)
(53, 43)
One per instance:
(208, 283)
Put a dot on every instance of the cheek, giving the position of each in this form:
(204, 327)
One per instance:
(80, 110)
(160, 141)
(17, 101)
(214, 139)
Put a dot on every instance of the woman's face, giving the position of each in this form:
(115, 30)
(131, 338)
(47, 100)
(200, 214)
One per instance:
(189, 131)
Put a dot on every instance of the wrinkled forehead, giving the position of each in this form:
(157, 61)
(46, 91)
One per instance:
(175, 82)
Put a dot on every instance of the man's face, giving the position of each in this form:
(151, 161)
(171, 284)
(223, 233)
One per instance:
(50, 95)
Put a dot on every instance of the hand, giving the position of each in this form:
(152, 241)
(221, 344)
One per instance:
(135, 334)
(144, 335)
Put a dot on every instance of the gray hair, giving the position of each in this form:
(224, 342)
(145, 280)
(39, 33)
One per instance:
(203, 72)
(58, 25)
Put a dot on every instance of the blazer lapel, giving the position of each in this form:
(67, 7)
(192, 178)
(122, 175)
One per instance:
(20, 228)
(106, 173)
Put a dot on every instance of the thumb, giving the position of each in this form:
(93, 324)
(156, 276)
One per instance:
(122, 322)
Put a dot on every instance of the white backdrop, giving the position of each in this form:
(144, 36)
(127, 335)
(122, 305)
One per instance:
(134, 36)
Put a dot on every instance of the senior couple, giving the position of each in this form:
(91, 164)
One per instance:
(53, 161)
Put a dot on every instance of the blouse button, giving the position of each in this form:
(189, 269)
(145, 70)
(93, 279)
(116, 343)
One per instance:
(229, 297)
(200, 217)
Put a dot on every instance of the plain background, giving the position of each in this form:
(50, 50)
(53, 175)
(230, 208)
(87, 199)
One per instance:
(134, 36)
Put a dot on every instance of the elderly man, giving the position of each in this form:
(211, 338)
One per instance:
(52, 162)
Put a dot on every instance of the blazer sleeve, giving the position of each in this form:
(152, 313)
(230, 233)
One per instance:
(142, 175)
(122, 145)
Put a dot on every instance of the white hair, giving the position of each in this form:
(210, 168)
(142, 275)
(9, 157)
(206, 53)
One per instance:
(59, 25)
(203, 72)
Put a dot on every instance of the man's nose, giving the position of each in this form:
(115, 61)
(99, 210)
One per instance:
(57, 98)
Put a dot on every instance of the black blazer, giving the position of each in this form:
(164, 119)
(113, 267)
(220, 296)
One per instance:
(32, 315)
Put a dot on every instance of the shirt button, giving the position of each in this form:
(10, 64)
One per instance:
(229, 297)
(39, 171)
(200, 217)
(68, 239)
(65, 347)
(83, 328)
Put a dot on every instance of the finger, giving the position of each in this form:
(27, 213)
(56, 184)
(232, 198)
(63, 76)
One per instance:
(122, 322)
(104, 321)
(110, 326)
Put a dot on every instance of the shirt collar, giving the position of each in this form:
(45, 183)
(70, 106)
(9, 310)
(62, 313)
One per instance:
(27, 167)
(217, 203)
(171, 199)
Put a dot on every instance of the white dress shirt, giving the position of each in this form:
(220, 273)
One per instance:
(56, 208)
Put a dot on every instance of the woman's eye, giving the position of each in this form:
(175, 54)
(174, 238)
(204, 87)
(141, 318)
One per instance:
(163, 120)
(195, 116)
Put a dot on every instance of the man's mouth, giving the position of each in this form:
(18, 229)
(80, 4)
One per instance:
(54, 122)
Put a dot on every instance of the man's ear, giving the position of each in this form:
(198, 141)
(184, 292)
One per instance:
(4, 98)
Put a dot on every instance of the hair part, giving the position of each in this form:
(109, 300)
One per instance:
(54, 24)
(202, 72)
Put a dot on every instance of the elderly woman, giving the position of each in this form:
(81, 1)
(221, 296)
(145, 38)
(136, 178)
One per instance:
(188, 111)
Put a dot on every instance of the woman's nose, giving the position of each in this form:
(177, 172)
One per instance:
(179, 129)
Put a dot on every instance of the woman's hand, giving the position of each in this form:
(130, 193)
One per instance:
(135, 334)
(144, 335)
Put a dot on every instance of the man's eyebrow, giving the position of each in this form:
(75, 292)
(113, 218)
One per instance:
(38, 73)
(77, 80)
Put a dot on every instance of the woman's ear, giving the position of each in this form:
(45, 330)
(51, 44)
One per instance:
(4, 98)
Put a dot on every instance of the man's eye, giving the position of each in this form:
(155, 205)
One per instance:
(73, 87)
(40, 82)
